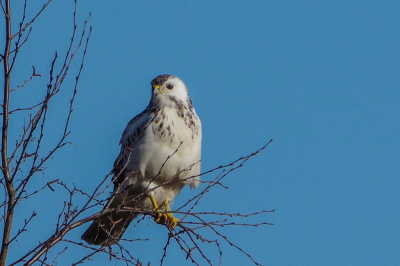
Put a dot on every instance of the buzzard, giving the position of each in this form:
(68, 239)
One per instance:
(160, 154)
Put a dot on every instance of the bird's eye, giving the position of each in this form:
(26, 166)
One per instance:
(170, 87)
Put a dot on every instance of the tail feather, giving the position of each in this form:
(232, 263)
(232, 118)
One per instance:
(108, 229)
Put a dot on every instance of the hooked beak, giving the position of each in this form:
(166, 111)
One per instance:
(157, 89)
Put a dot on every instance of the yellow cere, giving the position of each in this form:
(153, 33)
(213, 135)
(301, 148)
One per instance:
(157, 86)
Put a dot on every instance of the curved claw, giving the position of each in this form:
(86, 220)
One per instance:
(171, 221)
(164, 217)
(159, 216)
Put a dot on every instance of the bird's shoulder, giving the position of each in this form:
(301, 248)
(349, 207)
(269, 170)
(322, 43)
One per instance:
(137, 126)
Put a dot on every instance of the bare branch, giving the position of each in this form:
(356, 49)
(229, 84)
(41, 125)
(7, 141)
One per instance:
(23, 229)
(34, 74)
(33, 20)
(9, 213)
(33, 132)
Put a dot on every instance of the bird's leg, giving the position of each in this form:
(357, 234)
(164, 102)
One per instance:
(167, 217)
(171, 218)
(156, 209)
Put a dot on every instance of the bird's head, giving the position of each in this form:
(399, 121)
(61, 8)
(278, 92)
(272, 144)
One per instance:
(167, 90)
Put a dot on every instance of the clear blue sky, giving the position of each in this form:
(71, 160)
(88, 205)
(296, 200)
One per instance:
(320, 77)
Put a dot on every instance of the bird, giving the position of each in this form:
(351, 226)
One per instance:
(160, 154)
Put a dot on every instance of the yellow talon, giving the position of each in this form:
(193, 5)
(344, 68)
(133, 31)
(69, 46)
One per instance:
(165, 218)
(172, 219)
(156, 209)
